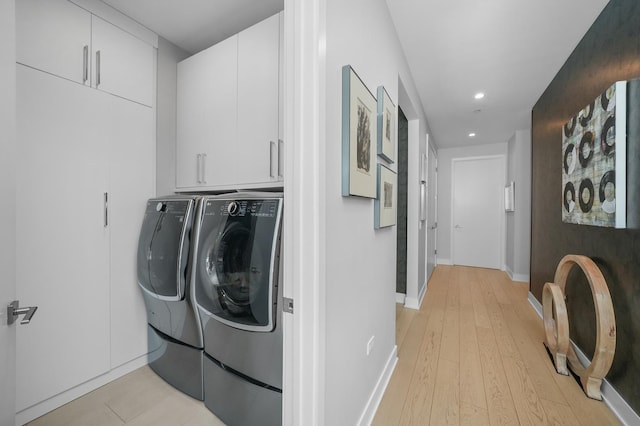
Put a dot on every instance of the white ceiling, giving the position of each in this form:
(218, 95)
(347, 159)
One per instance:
(508, 49)
(195, 25)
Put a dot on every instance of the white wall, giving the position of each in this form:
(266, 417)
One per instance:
(168, 57)
(7, 213)
(519, 221)
(360, 261)
(445, 156)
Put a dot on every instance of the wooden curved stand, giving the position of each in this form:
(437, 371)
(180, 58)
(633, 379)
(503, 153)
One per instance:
(557, 326)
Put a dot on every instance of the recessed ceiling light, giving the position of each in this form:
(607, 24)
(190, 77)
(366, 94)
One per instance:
(479, 95)
(472, 135)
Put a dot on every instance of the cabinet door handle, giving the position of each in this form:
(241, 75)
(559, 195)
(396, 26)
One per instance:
(106, 209)
(198, 167)
(97, 68)
(85, 63)
(280, 157)
(272, 145)
(204, 168)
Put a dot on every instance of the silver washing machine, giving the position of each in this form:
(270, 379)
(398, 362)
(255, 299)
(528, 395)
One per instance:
(237, 288)
(164, 275)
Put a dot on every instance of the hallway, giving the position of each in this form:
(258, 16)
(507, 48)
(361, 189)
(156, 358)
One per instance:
(473, 355)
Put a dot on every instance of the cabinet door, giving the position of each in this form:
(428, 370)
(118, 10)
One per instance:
(62, 245)
(130, 129)
(122, 64)
(54, 36)
(207, 117)
(258, 93)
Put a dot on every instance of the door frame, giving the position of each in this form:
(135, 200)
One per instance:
(304, 225)
(502, 238)
(7, 217)
(432, 198)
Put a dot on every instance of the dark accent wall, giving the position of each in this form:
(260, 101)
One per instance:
(403, 151)
(609, 52)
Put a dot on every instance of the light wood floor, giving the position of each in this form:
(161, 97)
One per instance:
(473, 355)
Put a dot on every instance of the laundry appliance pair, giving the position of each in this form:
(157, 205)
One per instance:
(209, 269)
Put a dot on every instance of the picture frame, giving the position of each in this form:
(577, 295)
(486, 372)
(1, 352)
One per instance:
(594, 161)
(385, 205)
(386, 126)
(359, 134)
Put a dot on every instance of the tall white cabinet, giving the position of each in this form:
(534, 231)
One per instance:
(229, 97)
(86, 166)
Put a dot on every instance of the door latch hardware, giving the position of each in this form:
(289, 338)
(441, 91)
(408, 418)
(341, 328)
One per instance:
(13, 311)
(288, 305)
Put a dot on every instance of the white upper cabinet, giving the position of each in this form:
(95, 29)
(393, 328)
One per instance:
(258, 99)
(207, 116)
(63, 39)
(54, 36)
(228, 113)
(122, 64)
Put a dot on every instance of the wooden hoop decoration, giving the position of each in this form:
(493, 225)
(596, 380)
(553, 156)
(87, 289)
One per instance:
(591, 376)
(556, 326)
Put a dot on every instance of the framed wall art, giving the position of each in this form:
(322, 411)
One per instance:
(594, 162)
(386, 126)
(359, 131)
(387, 193)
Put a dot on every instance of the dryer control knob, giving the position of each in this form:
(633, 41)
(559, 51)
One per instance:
(233, 208)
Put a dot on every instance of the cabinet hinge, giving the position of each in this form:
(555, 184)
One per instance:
(287, 305)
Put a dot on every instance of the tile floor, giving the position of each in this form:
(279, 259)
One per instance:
(140, 398)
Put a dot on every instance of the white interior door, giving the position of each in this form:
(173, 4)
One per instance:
(7, 215)
(432, 208)
(478, 213)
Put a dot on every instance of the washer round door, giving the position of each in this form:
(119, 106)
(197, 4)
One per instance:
(163, 248)
(237, 262)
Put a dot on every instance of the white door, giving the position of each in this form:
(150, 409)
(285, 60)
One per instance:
(258, 63)
(7, 215)
(62, 249)
(432, 200)
(207, 117)
(122, 64)
(54, 36)
(478, 213)
(131, 182)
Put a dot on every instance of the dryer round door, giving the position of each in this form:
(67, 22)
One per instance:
(235, 271)
(163, 248)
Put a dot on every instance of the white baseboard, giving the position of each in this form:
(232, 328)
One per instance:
(423, 292)
(378, 391)
(400, 297)
(415, 303)
(412, 303)
(516, 277)
(610, 396)
(41, 408)
(444, 261)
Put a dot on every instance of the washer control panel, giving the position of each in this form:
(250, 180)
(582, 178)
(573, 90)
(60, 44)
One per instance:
(242, 208)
